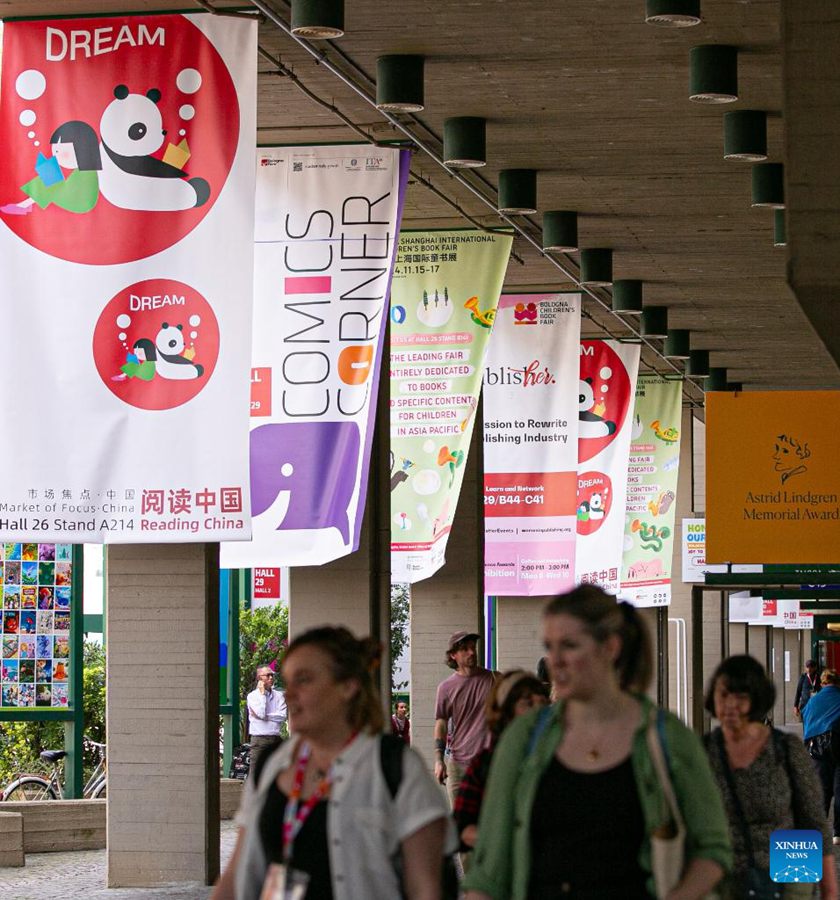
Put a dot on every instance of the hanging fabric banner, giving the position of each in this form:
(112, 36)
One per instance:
(326, 227)
(531, 445)
(126, 328)
(443, 303)
(608, 371)
(652, 492)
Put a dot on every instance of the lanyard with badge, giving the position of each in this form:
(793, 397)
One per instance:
(282, 882)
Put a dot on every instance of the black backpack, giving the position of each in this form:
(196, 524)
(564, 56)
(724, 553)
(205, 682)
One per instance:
(391, 760)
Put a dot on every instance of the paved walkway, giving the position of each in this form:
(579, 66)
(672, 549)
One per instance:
(54, 876)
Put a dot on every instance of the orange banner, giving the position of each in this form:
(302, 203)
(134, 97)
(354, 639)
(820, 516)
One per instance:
(772, 477)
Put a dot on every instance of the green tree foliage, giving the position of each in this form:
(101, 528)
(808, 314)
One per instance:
(400, 597)
(22, 742)
(263, 638)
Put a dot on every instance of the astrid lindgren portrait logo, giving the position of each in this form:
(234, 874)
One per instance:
(796, 856)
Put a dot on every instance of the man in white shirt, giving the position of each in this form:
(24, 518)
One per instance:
(266, 713)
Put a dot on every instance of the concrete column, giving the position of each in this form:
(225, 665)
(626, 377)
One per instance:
(519, 632)
(162, 714)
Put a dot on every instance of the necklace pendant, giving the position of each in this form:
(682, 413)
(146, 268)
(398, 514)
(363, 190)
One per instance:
(593, 755)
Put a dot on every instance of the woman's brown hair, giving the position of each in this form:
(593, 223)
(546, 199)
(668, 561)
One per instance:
(506, 692)
(351, 658)
(602, 616)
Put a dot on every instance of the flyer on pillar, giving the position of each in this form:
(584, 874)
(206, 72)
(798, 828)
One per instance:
(327, 222)
(126, 247)
(608, 372)
(443, 305)
(531, 445)
(652, 477)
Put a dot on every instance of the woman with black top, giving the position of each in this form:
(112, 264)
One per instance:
(574, 796)
(321, 812)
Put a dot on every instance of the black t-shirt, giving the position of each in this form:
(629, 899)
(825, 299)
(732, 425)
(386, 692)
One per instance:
(310, 852)
(586, 832)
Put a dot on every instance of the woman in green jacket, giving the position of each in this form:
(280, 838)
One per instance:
(573, 799)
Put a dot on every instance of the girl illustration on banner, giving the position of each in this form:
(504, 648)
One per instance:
(75, 147)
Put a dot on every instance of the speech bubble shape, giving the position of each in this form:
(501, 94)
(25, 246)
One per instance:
(314, 464)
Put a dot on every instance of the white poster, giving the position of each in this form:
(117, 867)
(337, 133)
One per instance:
(694, 565)
(126, 223)
(607, 386)
(760, 611)
(325, 242)
(530, 445)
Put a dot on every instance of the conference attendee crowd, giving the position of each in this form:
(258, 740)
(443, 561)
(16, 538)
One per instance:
(596, 793)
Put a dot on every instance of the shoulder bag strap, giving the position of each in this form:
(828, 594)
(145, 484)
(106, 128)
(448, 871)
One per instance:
(736, 800)
(656, 748)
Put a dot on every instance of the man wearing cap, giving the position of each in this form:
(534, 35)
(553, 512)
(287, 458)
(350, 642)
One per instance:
(809, 684)
(460, 700)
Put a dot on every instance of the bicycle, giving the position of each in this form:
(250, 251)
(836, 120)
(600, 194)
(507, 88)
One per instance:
(36, 787)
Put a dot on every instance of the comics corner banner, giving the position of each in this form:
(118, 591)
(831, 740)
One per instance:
(126, 247)
(327, 222)
(443, 305)
(652, 477)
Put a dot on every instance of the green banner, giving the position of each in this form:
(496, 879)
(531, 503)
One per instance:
(444, 295)
(652, 492)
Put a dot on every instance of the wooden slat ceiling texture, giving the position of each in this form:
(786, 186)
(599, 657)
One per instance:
(597, 102)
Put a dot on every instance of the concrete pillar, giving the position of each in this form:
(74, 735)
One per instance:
(162, 714)
(519, 632)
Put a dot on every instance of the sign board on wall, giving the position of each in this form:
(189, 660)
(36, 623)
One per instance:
(772, 479)
(269, 586)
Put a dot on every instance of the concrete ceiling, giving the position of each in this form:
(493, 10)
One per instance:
(597, 102)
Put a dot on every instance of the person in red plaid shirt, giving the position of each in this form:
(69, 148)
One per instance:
(514, 694)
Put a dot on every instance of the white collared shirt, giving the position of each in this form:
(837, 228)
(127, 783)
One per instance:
(266, 712)
(365, 827)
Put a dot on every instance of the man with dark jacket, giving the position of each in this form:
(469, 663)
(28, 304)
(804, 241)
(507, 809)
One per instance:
(809, 684)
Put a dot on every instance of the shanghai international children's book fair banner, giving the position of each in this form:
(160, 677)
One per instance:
(652, 491)
(531, 445)
(443, 305)
(127, 189)
(325, 243)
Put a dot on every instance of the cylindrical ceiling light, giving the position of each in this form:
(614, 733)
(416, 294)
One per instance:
(745, 135)
(465, 142)
(654, 322)
(716, 380)
(713, 74)
(596, 267)
(779, 230)
(560, 230)
(677, 344)
(399, 83)
(768, 185)
(698, 364)
(672, 13)
(517, 192)
(627, 296)
(318, 19)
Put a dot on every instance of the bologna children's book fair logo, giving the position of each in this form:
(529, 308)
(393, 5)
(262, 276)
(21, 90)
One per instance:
(118, 135)
(156, 344)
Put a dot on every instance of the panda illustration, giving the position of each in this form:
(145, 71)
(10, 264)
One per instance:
(591, 425)
(165, 352)
(596, 507)
(131, 129)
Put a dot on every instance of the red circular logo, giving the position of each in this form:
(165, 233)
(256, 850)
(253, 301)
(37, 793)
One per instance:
(603, 398)
(118, 135)
(156, 343)
(594, 501)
